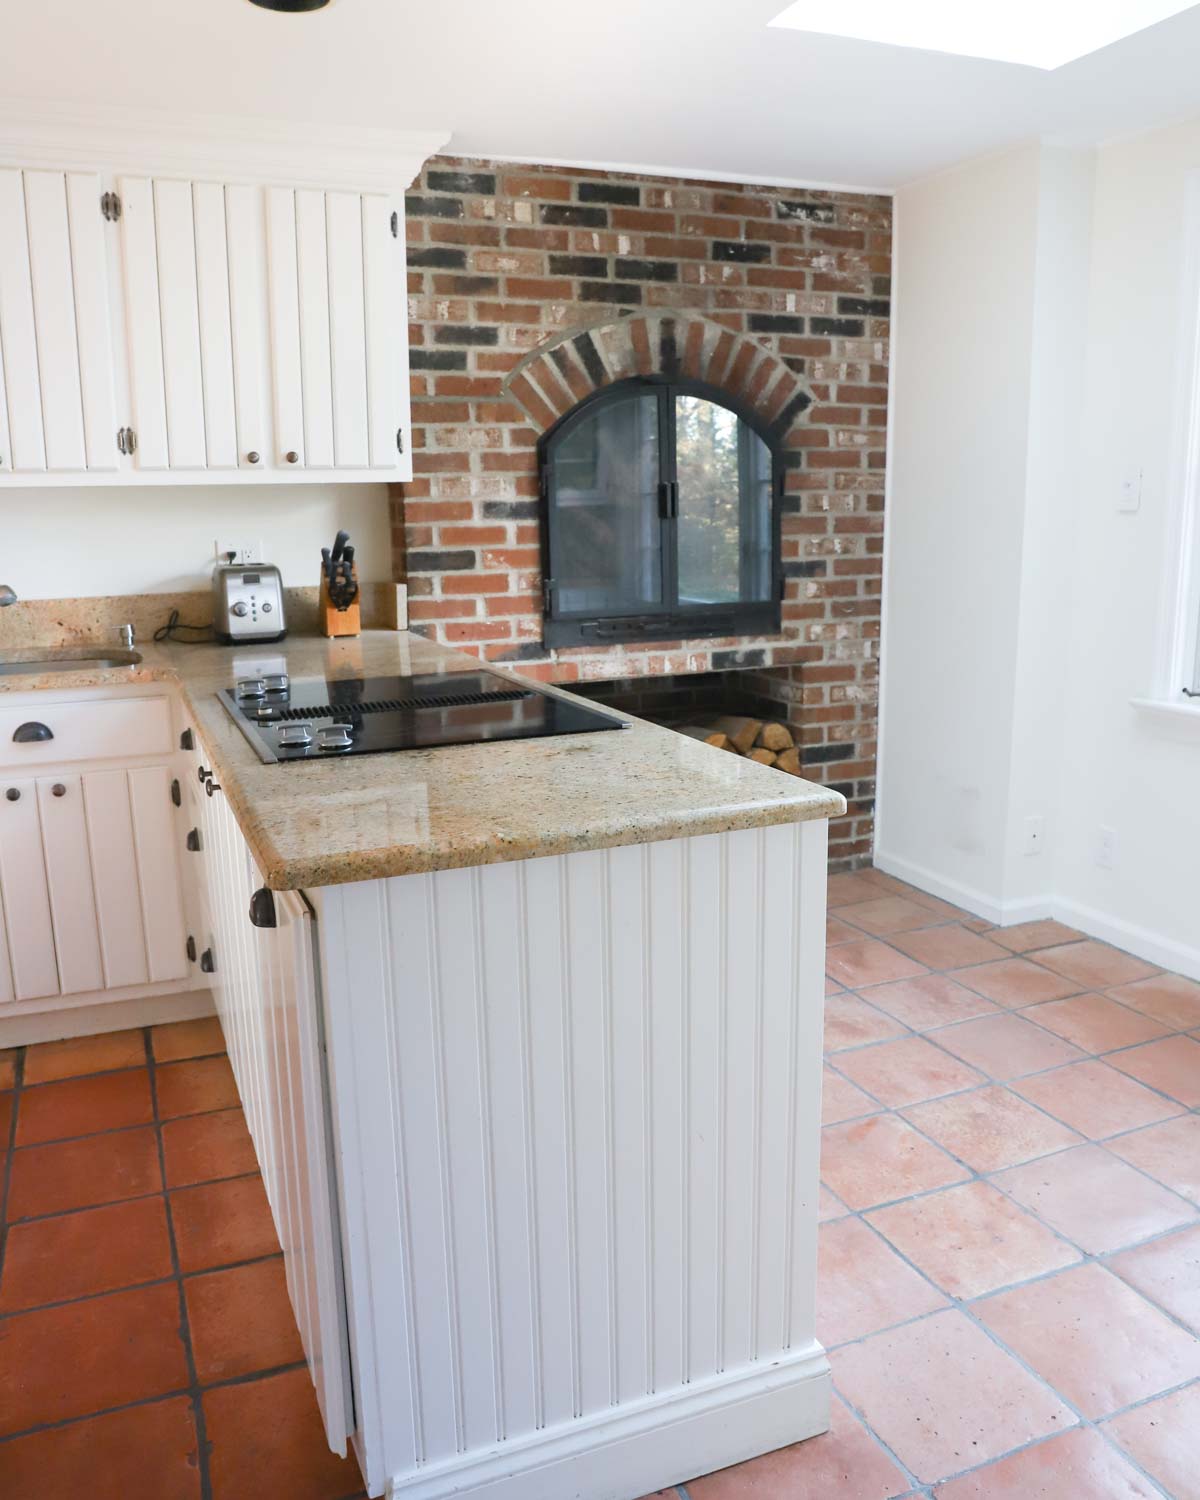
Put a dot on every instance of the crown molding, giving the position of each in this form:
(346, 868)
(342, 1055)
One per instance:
(34, 133)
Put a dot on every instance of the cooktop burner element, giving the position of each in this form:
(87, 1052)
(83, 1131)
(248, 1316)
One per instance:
(315, 718)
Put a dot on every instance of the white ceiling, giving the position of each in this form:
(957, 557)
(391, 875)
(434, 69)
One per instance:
(696, 86)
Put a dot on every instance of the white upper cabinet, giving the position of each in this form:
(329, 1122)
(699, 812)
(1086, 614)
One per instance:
(190, 321)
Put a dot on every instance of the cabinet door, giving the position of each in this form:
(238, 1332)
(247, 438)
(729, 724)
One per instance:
(155, 837)
(147, 385)
(115, 878)
(17, 334)
(6, 978)
(216, 333)
(69, 880)
(26, 899)
(284, 297)
(179, 303)
(246, 254)
(386, 331)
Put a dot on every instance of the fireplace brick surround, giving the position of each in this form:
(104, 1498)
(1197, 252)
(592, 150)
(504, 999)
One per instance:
(530, 287)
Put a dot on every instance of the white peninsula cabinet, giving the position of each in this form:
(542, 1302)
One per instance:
(222, 306)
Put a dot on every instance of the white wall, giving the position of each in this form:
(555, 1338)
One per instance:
(1023, 610)
(66, 543)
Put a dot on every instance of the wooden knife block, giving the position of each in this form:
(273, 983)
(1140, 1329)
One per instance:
(337, 622)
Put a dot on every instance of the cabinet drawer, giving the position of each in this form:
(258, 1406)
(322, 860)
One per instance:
(85, 731)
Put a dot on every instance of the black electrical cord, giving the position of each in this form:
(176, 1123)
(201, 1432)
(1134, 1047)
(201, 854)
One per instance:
(168, 632)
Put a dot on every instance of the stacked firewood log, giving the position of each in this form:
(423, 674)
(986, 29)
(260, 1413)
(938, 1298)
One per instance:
(764, 740)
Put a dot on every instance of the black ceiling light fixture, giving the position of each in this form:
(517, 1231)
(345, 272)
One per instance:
(291, 7)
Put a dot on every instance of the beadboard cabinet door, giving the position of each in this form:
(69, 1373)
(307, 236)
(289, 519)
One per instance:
(27, 916)
(56, 347)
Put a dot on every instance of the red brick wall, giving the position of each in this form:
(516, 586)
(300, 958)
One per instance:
(508, 265)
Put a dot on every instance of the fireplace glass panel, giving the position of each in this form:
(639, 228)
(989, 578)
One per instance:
(609, 536)
(723, 469)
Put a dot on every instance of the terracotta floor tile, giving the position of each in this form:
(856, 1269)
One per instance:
(828, 1206)
(146, 1451)
(182, 1039)
(1168, 998)
(907, 1071)
(842, 1100)
(6, 1114)
(832, 987)
(219, 1223)
(1095, 1099)
(190, 1088)
(886, 915)
(1167, 1271)
(8, 1068)
(1095, 1023)
(1076, 1465)
(83, 1106)
(990, 1128)
(1014, 982)
(1169, 1152)
(1095, 965)
(1161, 1436)
(201, 1148)
(869, 961)
(80, 1254)
(1171, 1065)
(949, 947)
(863, 1286)
(272, 1427)
(837, 931)
(881, 1159)
(1095, 1200)
(927, 1001)
(890, 884)
(944, 1397)
(845, 889)
(971, 1239)
(845, 1462)
(1025, 937)
(70, 1361)
(851, 1022)
(1006, 1046)
(241, 1320)
(1092, 1338)
(49, 1061)
(83, 1173)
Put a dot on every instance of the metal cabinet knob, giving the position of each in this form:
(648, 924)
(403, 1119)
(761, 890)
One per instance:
(293, 457)
(252, 458)
(13, 795)
(202, 774)
(210, 786)
(58, 789)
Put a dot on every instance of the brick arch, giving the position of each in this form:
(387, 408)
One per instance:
(557, 375)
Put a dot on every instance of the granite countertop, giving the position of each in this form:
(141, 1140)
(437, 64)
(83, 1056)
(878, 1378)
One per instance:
(370, 816)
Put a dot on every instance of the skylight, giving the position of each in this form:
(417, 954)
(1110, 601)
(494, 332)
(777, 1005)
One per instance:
(1038, 33)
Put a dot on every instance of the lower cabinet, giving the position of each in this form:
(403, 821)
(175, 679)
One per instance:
(90, 896)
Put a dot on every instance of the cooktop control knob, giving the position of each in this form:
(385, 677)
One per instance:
(277, 682)
(295, 734)
(250, 687)
(335, 737)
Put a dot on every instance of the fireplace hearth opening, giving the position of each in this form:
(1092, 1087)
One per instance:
(660, 517)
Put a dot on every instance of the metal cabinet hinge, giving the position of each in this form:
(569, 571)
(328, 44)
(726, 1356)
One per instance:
(193, 841)
(208, 964)
(187, 740)
(126, 440)
(399, 439)
(395, 226)
(176, 793)
(110, 207)
(190, 950)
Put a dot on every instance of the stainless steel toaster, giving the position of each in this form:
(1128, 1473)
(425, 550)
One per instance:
(248, 603)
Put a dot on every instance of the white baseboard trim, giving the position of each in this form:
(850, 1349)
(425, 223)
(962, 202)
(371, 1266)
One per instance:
(647, 1445)
(1184, 958)
(107, 1015)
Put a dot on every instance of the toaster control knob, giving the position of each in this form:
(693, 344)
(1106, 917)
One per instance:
(267, 606)
(241, 608)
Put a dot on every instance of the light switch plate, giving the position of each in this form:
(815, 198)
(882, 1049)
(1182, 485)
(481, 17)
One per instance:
(1129, 499)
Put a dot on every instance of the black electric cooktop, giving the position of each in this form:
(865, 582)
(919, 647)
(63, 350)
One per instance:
(313, 718)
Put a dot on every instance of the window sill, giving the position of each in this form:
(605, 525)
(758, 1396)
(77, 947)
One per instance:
(1181, 712)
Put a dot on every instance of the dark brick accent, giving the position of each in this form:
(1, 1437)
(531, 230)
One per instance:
(722, 660)
(842, 328)
(810, 213)
(817, 755)
(795, 408)
(574, 215)
(589, 355)
(865, 307)
(438, 257)
(605, 291)
(438, 359)
(465, 333)
(609, 192)
(578, 265)
(434, 208)
(739, 250)
(776, 323)
(648, 270)
(460, 182)
(440, 562)
(813, 567)
(511, 510)
(527, 651)
(669, 350)
(473, 286)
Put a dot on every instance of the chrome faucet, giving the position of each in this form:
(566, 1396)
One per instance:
(7, 595)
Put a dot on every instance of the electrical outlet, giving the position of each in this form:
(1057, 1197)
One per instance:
(1035, 834)
(241, 553)
(1129, 497)
(1106, 849)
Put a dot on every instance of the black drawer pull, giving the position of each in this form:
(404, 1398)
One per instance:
(262, 908)
(193, 841)
(27, 734)
(207, 962)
